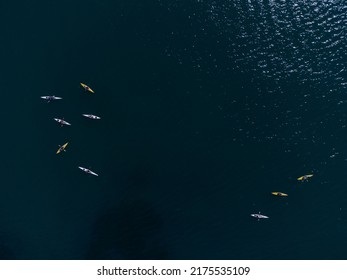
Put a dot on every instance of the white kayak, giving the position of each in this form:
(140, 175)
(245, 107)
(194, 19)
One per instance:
(51, 97)
(88, 171)
(91, 116)
(62, 122)
(259, 216)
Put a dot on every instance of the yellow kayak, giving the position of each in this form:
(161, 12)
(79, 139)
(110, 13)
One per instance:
(62, 148)
(305, 177)
(279, 194)
(86, 87)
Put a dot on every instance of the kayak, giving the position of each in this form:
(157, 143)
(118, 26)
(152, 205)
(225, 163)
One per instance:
(259, 216)
(88, 171)
(86, 88)
(91, 116)
(62, 148)
(279, 194)
(305, 177)
(62, 122)
(51, 97)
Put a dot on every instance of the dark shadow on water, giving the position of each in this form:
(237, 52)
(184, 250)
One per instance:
(6, 253)
(132, 230)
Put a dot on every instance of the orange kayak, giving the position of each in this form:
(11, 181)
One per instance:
(279, 194)
(62, 148)
(86, 87)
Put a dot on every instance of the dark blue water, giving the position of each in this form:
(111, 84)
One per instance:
(206, 108)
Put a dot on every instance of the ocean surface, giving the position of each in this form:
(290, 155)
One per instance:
(206, 108)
